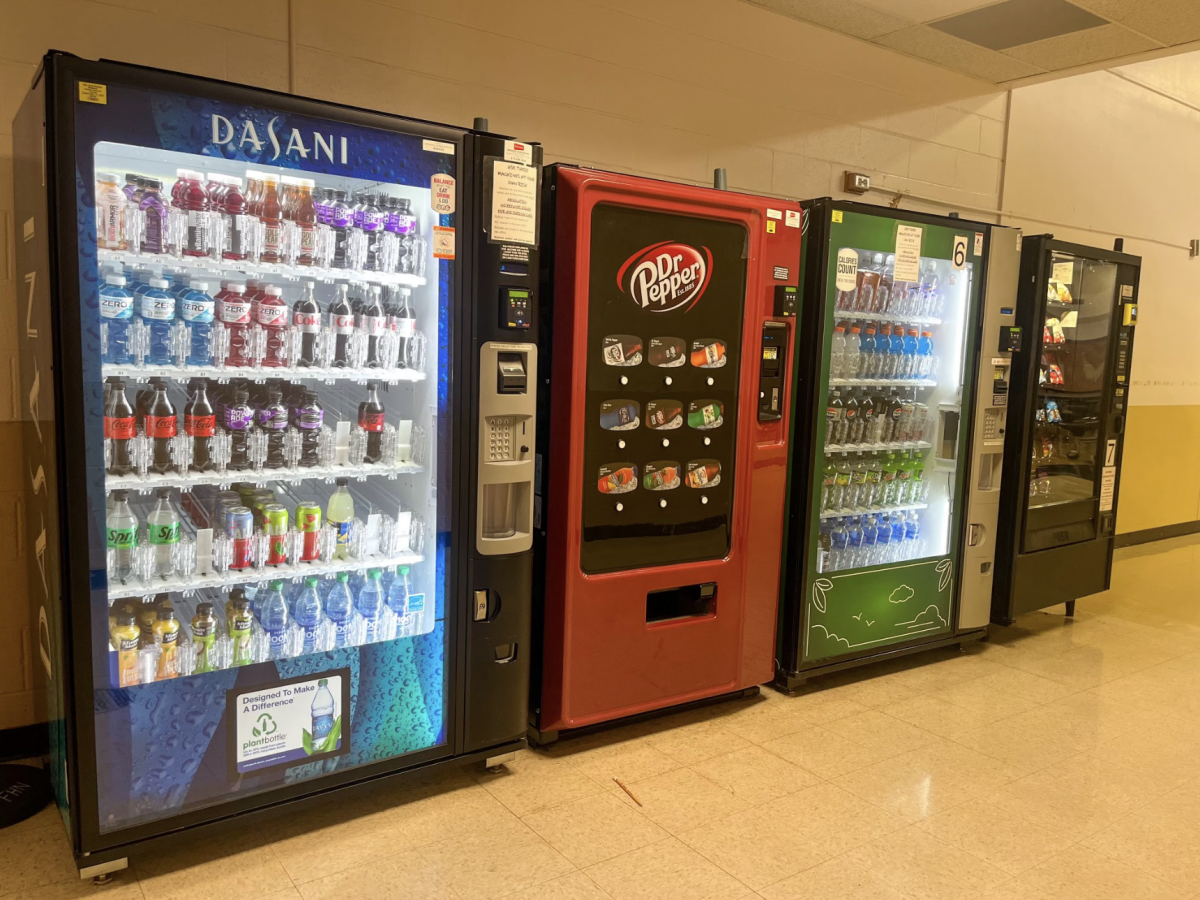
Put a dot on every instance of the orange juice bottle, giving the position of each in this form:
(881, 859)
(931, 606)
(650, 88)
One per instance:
(126, 637)
(166, 636)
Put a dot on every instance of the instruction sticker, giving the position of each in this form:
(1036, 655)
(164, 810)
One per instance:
(93, 93)
(837, 217)
(1108, 487)
(515, 151)
(770, 226)
(979, 243)
(1063, 272)
(437, 146)
(443, 242)
(791, 218)
(774, 213)
(908, 253)
(514, 203)
(441, 188)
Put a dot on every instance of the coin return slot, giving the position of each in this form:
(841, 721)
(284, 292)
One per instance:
(687, 602)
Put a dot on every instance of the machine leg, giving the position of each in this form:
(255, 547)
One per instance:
(1070, 609)
(495, 764)
(540, 739)
(101, 874)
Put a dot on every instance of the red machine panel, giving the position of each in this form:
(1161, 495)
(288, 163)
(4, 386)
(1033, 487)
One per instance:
(667, 456)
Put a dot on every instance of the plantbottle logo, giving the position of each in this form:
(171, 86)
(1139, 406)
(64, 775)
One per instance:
(666, 276)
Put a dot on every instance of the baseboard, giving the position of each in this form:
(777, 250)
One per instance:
(1146, 536)
(24, 742)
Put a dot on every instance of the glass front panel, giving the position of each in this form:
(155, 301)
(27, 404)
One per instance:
(899, 301)
(265, 312)
(1068, 403)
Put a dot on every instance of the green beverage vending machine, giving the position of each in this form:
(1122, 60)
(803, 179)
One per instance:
(907, 329)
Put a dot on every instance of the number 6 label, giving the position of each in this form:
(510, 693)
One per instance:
(960, 251)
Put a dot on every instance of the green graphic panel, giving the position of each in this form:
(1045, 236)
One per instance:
(856, 611)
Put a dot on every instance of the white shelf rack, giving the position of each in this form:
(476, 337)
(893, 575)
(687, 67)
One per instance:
(261, 374)
(884, 318)
(873, 448)
(870, 511)
(883, 382)
(152, 480)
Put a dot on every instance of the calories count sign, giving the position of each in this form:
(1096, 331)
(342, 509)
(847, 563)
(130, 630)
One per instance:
(289, 723)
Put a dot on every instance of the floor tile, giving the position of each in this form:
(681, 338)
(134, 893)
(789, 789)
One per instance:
(1015, 746)
(221, 874)
(1024, 685)
(665, 869)
(333, 837)
(405, 876)
(1079, 873)
(822, 752)
(920, 865)
(683, 799)
(764, 722)
(756, 775)
(1167, 849)
(35, 853)
(576, 886)
(630, 760)
(1062, 801)
(124, 886)
(833, 880)
(480, 865)
(883, 734)
(430, 814)
(935, 715)
(534, 781)
(996, 836)
(595, 828)
(696, 742)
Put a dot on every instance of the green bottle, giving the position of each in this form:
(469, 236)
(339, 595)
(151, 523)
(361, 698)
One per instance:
(828, 480)
(704, 417)
(241, 631)
(904, 479)
(916, 486)
(890, 467)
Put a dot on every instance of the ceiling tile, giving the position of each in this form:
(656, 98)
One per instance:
(925, 10)
(845, 16)
(1169, 21)
(929, 44)
(1016, 22)
(1082, 47)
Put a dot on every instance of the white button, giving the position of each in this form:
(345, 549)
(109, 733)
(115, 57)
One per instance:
(710, 381)
(620, 445)
(624, 380)
(662, 503)
(667, 380)
(707, 441)
(666, 443)
(703, 498)
(620, 506)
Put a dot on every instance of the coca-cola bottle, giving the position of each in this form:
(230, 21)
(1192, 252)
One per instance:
(239, 419)
(306, 318)
(404, 322)
(120, 427)
(200, 425)
(341, 321)
(372, 320)
(161, 425)
(272, 317)
(370, 420)
(272, 418)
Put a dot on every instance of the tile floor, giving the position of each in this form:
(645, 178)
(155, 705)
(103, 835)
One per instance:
(1059, 760)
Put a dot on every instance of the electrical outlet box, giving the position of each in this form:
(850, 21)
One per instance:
(856, 183)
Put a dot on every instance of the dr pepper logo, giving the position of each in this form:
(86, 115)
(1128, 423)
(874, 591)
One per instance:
(665, 276)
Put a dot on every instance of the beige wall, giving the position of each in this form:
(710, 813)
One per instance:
(671, 88)
(1116, 157)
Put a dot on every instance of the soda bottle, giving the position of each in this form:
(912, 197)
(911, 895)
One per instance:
(307, 613)
(851, 356)
(272, 318)
(200, 425)
(925, 355)
(837, 352)
(824, 547)
(239, 419)
(120, 427)
(116, 314)
(110, 213)
(126, 640)
(157, 310)
(273, 613)
(397, 600)
(163, 533)
(837, 546)
(241, 631)
(916, 481)
(233, 310)
(894, 412)
(308, 418)
(883, 294)
(904, 478)
(866, 419)
(122, 527)
(161, 425)
(166, 636)
(858, 483)
(370, 606)
(341, 321)
(270, 213)
(853, 431)
(341, 218)
(841, 491)
(323, 721)
(888, 479)
(835, 414)
(910, 354)
(340, 514)
(869, 275)
(273, 419)
(874, 481)
(404, 322)
(154, 217)
(197, 308)
(372, 320)
(828, 483)
(854, 539)
(204, 638)
(306, 319)
(193, 200)
(339, 607)
(370, 420)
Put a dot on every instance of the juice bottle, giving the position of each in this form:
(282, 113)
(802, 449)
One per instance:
(204, 637)
(253, 192)
(126, 640)
(270, 213)
(110, 213)
(241, 632)
(231, 604)
(154, 217)
(304, 214)
(193, 200)
(147, 615)
(233, 310)
(339, 514)
(166, 636)
(233, 205)
(272, 317)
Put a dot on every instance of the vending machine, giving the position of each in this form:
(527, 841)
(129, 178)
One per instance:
(279, 361)
(906, 340)
(1077, 308)
(669, 316)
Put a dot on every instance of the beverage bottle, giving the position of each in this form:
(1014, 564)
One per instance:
(241, 631)
(837, 411)
(888, 480)
(916, 481)
(304, 214)
(322, 715)
(910, 354)
(895, 413)
(858, 483)
(854, 539)
(239, 419)
(200, 425)
(874, 481)
(370, 420)
(233, 310)
(272, 318)
(370, 606)
(126, 640)
(867, 555)
(925, 355)
(273, 613)
(866, 352)
(204, 638)
(162, 530)
(307, 613)
(895, 361)
(157, 309)
(306, 319)
(850, 356)
(339, 607)
(110, 213)
(912, 536)
(154, 217)
(233, 205)
(120, 427)
(866, 419)
(372, 320)
(837, 546)
(308, 418)
(197, 308)
(824, 547)
(897, 542)
(869, 270)
(404, 323)
(341, 321)
(837, 352)
(270, 213)
(122, 527)
(272, 418)
(828, 483)
(340, 514)
(341, 217)
(853, 425)
(397, 600)
(166, 636)
(234, 596)
(116, 314)
(904, 479)
(192, 199)
(879, 361)
(161, 425)
(841, 489)
(883, 295)
(372, 225)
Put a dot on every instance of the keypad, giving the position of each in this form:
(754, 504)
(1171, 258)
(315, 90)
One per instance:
(501, 438)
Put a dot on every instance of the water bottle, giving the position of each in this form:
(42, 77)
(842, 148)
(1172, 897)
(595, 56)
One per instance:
(912, 537)
(322, 714)
(837, 549)
(824, 546)
(273, 614)
(925, 355)
(909, 364)
(116, 315)
(883, 539)
(850, 356)
(370, 606)
(307, 612)
(869, 541)
(339, 607)
(157, 309)
(854, 540)
(397, 601)
(897, 541)
(837, 352)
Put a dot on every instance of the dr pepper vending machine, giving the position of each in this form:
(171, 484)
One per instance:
(271, 348)
(664, 444)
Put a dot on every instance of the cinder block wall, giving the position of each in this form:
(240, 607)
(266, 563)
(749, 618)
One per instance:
(669, 88)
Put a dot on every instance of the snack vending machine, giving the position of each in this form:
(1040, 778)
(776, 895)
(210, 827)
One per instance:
(271, 350)
(1070, 393)
(907, 335)
(670, 313)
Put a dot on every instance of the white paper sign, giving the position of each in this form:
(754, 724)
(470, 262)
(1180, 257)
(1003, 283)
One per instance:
(437, 146)
(514, 203)
(908, 253)
(847, 269)
(958, 258)
(515, 151)
(1108, 486)
(1063, 272)
(441, 188)
(288, 724)
(979, 243)
(791, 218)
(774, 213)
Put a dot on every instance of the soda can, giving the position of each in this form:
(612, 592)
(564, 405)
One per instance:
(261, 499)
(239, 527)
(308, 521)
(276, 527)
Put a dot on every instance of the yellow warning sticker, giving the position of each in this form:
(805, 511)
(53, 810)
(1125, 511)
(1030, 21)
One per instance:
(837, 216)
(93, 93)
(770, 226)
